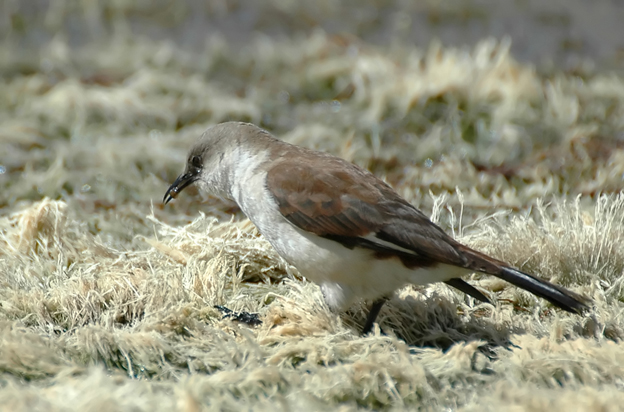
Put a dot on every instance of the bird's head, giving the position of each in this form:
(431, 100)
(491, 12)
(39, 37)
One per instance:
(209, 159)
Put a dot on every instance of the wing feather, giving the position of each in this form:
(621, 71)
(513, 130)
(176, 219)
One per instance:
(338, 200)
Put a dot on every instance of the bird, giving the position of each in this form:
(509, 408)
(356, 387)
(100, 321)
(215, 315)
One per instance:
(340, 225)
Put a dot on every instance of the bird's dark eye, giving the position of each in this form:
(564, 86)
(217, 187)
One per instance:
(196, 161)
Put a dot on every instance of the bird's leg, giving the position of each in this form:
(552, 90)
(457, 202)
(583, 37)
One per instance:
(372, 315)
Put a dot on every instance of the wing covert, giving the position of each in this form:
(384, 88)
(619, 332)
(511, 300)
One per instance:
(345, 203)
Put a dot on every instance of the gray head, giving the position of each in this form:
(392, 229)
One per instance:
(205, 159)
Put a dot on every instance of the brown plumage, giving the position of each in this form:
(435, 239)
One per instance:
(338, 200)
(333, 215)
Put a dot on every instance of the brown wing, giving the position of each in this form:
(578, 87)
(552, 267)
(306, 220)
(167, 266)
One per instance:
(340, 201)
(336, 199)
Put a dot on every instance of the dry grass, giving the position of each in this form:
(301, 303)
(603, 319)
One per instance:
(107, 298)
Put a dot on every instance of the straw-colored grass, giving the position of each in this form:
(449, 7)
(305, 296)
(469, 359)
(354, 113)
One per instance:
(107, 297)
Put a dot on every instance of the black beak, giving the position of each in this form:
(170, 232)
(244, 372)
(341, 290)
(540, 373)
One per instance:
(180, 183)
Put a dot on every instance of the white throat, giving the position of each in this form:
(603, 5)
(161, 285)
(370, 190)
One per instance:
(235, 175)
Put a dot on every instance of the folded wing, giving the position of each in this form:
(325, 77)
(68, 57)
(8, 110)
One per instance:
(347, 204)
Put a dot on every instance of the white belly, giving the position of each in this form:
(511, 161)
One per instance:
(344, 274)
(347, 274)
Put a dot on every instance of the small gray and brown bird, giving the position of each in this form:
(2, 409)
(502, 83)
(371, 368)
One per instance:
(338, 224)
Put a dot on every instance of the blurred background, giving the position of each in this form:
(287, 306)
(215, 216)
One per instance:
(505, 101)
(565, 34)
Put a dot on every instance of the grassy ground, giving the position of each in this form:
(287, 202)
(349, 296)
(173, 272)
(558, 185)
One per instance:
(107, 297)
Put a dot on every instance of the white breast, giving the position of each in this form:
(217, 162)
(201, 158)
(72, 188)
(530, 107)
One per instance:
(343, 274)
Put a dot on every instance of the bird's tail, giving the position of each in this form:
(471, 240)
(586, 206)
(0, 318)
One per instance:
(555, 294)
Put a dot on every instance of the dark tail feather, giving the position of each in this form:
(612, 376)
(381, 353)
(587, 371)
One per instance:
(468, 289)
(557, 295)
